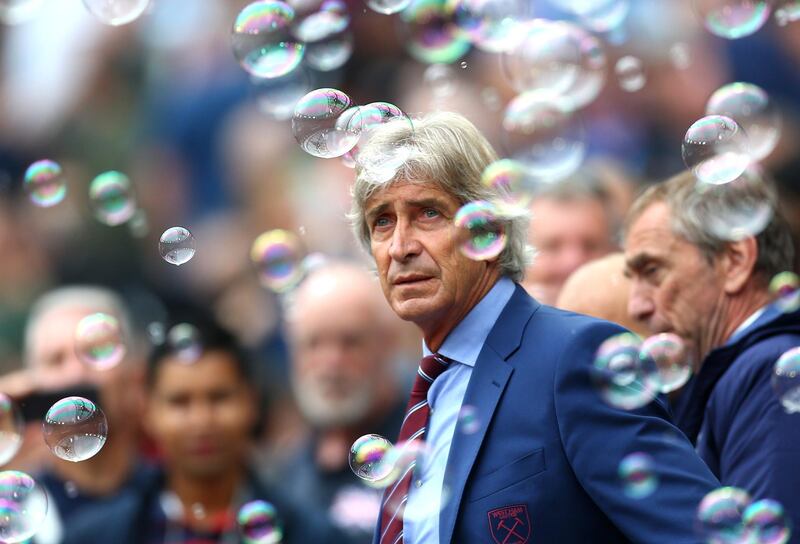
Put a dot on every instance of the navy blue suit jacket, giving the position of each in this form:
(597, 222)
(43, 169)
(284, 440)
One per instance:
(543, 465)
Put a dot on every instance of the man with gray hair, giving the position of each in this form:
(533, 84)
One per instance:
(700, 261)
(519, 447)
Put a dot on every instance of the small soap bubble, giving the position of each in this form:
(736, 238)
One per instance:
(75, 429)
(112, 198)
(622, 377)
(491, 25)
(45, 183)
(431, 33)
(185, 343)
(366, 456)
(483, 235)
(99, 342)
(116, 12)
(630, 73)
(639, 480)
(720, 516)
(23, 506)
(177, 246)
(732, 19)
(750, 106)
(766, 522)
(316, 125)
(259, 523)
(468, 420)
(668, 352)
(278, 256)
(11, 428)
(262, 42)
(786, 380)
(387, 7)
(785, 286)
(715, 149)
(511, 180)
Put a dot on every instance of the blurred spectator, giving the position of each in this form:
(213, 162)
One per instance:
(202, 414)
(600, 289)
(344, 349)
(572, 222)
(712, 289)
(52, 365)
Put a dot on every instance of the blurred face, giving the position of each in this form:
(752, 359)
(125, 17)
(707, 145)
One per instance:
(201, 414)
(423, 274)
(565, 234)
(673, 287)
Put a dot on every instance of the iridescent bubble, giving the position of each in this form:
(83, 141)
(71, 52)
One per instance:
(630, 74)
(483, 236)
(591, 74)
(328, 42)
(491, 25)
(387, 7)
(751, 108)
(511, 180)
(315, 127)
(112, 198)
(732, 19)
(671, 357)
(99, 342)
(276, 97)
(785, 286)
(262, 42)
(468, 420)
(185, 343)
(259, 523)
(366, 456)
(11, 428)
(278, 256)
(719, 516)
(786, 11)
(116, 12)
(766, 522)
(400, 459)
(715, 149)
(441, 80)
(542, 134)
(14, 12)
(23, 506)
(177, 246)
(622, 377)
(45, 183)
(639, 480)
(364, 120)
(607, 17)
(431, 34)
(75, 429)
(786, 380)
(743, 214)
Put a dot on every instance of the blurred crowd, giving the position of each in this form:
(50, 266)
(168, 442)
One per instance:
(293, 379)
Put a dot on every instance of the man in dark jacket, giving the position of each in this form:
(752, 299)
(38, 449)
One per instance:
(701, 259)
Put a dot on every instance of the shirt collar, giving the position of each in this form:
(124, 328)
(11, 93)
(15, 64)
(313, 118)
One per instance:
(465, 341)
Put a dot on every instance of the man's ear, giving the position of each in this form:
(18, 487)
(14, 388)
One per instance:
(739, 262)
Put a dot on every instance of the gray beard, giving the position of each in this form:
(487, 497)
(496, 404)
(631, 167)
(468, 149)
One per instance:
(324, 414)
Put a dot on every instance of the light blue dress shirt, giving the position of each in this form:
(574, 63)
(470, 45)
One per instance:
(463, 345)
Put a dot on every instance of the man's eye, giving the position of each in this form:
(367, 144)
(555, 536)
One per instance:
(430, 213)
(381, 222)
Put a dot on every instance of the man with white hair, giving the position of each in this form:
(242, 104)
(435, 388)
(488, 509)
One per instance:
(344, 373)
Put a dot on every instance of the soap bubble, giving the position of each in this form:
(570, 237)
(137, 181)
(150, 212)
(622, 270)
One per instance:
(45, 183)
(511, 180)
(99, 342)
(720, 516)
(261, 40)
(398, 460)
(366, 456)
(23, 506)
(116, 12)
(766, 522)
(715, 149)
(732, 19)
(630, 73)
(278, 256)
(742, 214)
(591, 72)
(112, 198)
(259, 523)
(786, 11)
(431, 34)
(325, 33)
(185, 343)
(751, 108)
(387, 7)
(491, 25)
(607, 17)
(785, 286)
(786, 380)
(11, 428)
(468, 420)
(315, 127)
(622, 377)
(671, 357)
(177, 246)
(483, 236)
(639, 480)
(75, 429)
(363, 121)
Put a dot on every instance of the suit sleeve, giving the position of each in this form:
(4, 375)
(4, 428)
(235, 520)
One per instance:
(597, 436)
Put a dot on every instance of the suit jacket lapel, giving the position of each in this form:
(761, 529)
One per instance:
(487, 383)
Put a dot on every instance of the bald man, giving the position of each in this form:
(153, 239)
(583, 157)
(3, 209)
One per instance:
(600, 289)
(343, 342)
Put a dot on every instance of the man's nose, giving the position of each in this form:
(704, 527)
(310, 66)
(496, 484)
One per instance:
(404, 243)
(640, 304)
